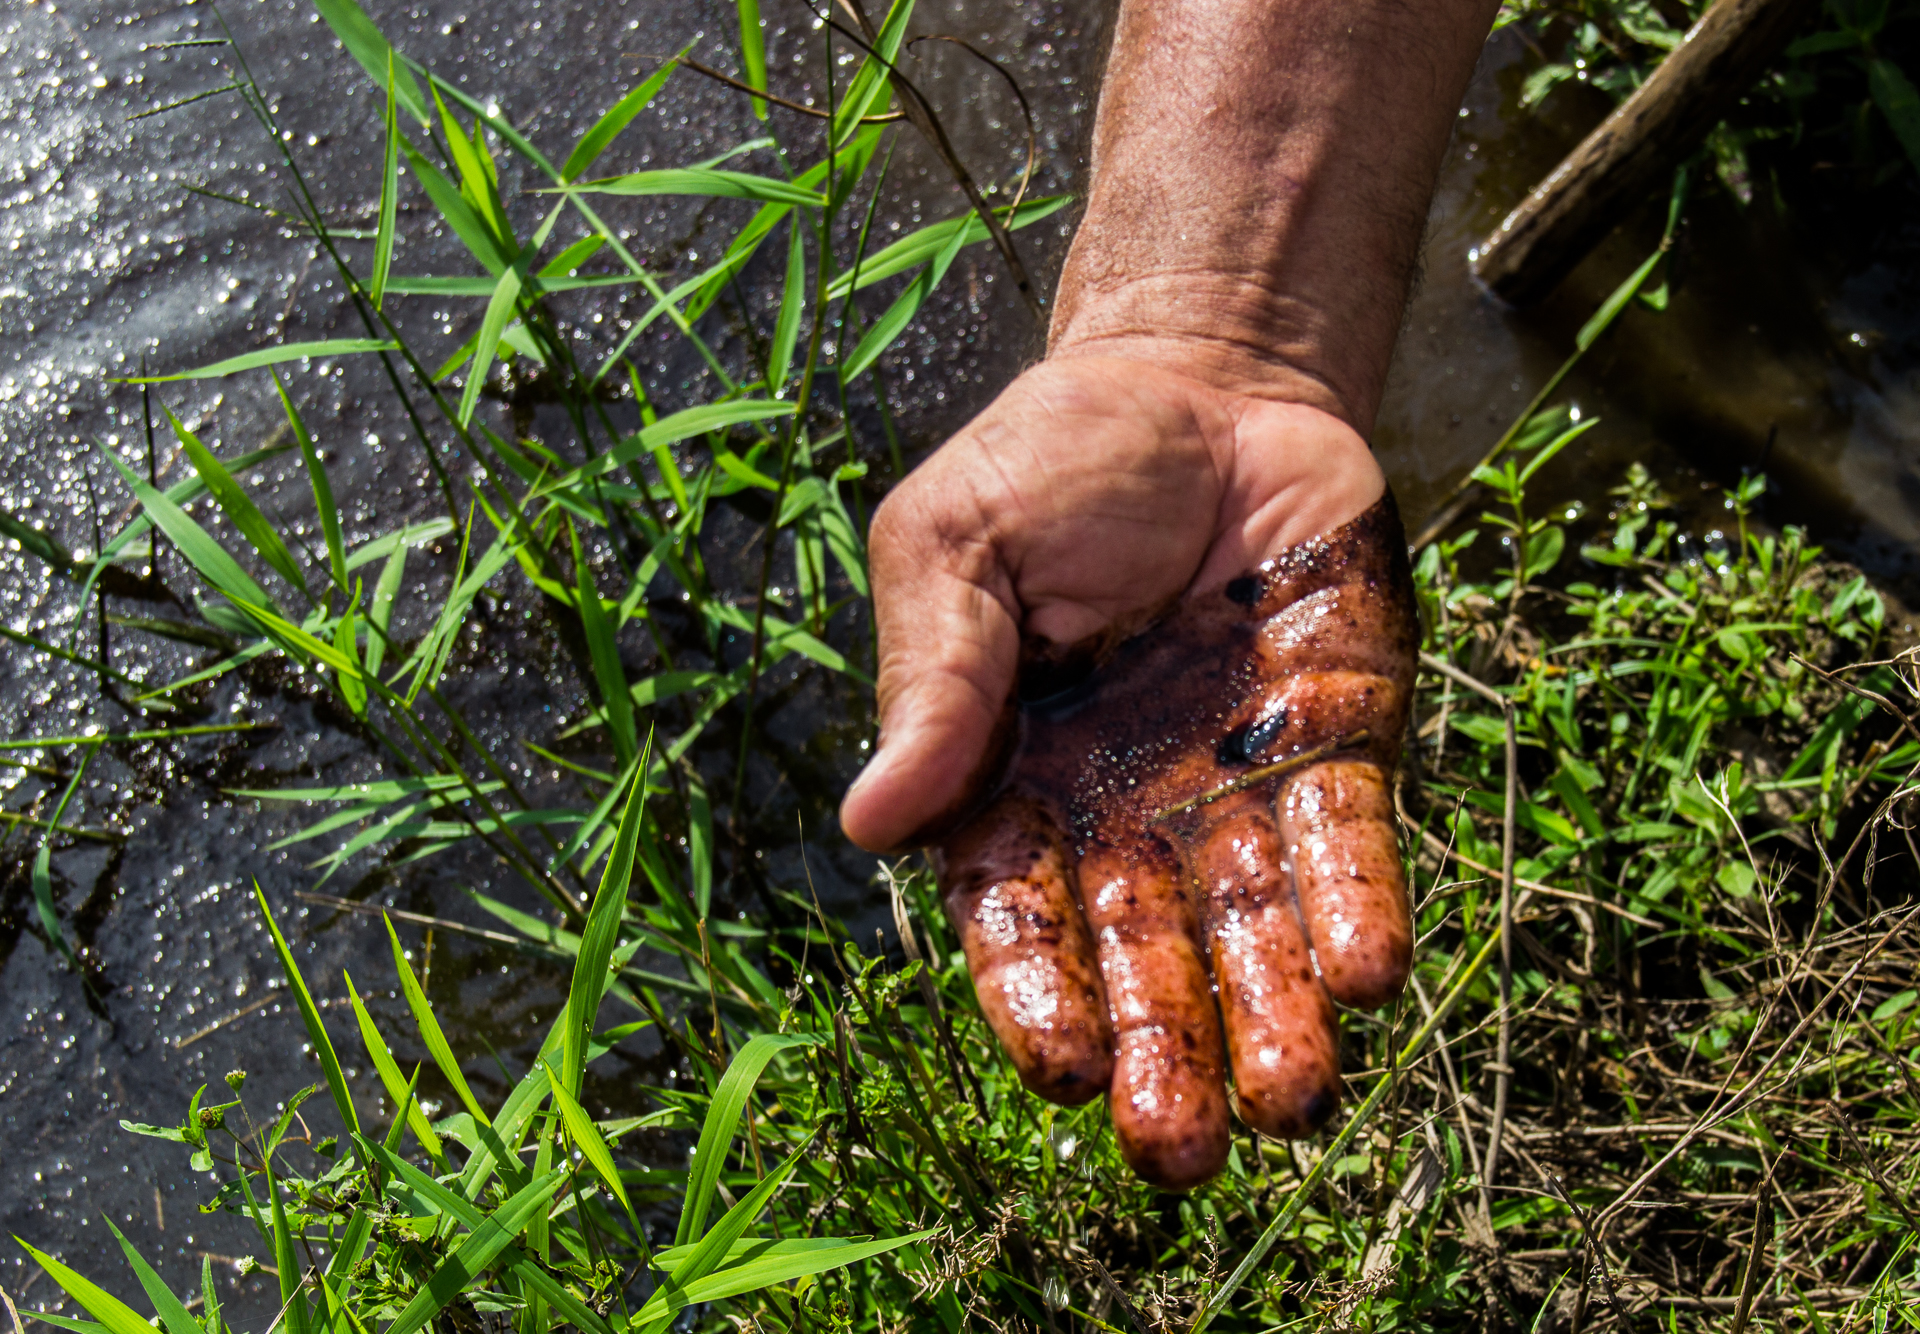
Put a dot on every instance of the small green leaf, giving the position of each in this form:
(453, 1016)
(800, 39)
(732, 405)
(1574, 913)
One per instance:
(1894, 94)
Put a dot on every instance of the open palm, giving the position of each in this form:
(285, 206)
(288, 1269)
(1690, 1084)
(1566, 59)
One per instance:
(1097, 499)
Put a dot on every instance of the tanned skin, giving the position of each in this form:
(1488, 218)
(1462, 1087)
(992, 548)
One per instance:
(1221, 333)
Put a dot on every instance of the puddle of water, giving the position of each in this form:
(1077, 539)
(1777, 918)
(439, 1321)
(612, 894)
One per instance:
(109, 258)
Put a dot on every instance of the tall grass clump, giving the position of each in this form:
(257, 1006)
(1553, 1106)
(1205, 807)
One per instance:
(1652, 1069)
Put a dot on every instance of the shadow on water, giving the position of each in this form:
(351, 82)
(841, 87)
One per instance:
(1788, 346)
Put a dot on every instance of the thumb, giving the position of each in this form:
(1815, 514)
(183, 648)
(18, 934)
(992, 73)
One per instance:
(949, 649)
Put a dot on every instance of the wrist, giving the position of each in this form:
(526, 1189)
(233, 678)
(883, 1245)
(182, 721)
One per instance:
(1240, 333)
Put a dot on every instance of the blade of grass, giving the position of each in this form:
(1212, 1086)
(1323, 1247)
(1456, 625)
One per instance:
(429, 1026)
(389, 197)
(793, 300)
(322, 489)
(753, 53)
(397, 1088)
(206, 555)
(172, 1312)
(723, 1116)
(477, 1252)
(271, 356)
(43, 870)
(710, 182)
(310, 1015)
(238, 505)
(879, 337)
(590, 970)
(586, 1138)
(114, 1315)
(605, 130)
(368, 45)
(608, 672)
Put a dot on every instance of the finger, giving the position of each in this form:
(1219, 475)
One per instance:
(1009, 893)
(1169, 1100)
(949, 646)
(1281, 1029)
(1336, 824)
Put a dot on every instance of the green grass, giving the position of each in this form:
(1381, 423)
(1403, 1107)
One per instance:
(1678, 772)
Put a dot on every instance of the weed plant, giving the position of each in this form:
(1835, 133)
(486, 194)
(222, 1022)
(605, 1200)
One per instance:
(1840, 87)
(1652, 1068)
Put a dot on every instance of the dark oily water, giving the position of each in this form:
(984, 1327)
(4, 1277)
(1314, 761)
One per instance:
(1770, 337)
(113, 260)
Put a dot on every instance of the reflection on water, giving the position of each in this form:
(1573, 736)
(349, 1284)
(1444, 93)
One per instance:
(1788, 345)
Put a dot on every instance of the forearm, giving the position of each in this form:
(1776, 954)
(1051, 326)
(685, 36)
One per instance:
(1261, 175)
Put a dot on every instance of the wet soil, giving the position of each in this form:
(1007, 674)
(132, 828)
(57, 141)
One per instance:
(1789, 344)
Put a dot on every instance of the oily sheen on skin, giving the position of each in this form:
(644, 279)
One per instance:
(1192, 858)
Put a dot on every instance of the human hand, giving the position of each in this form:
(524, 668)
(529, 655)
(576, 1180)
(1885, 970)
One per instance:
(1138, 826)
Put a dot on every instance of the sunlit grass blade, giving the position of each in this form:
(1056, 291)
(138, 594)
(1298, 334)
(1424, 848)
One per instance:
(723, 1117)
(590, 970)
(114, 1315)
(500, 308)
(368, 45)
(277, 355)
(322, 488)
(607, 670)
(477, 181)
(172, 1312)
(712, 182)
(390, 1078)
(42, 875)
(238, 505)
(920, 246)
(389, 196)
(872, 86)
(593, 1147)
(669, 430)
(1616, 302)
(605, 130)
(429, 1026)
(793, 302)
(890, 325)
(298, 1316)
(457, 212)
(380, 613)
(206, 555)
(753, 53)
(769, 1264)
(310, 1015)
